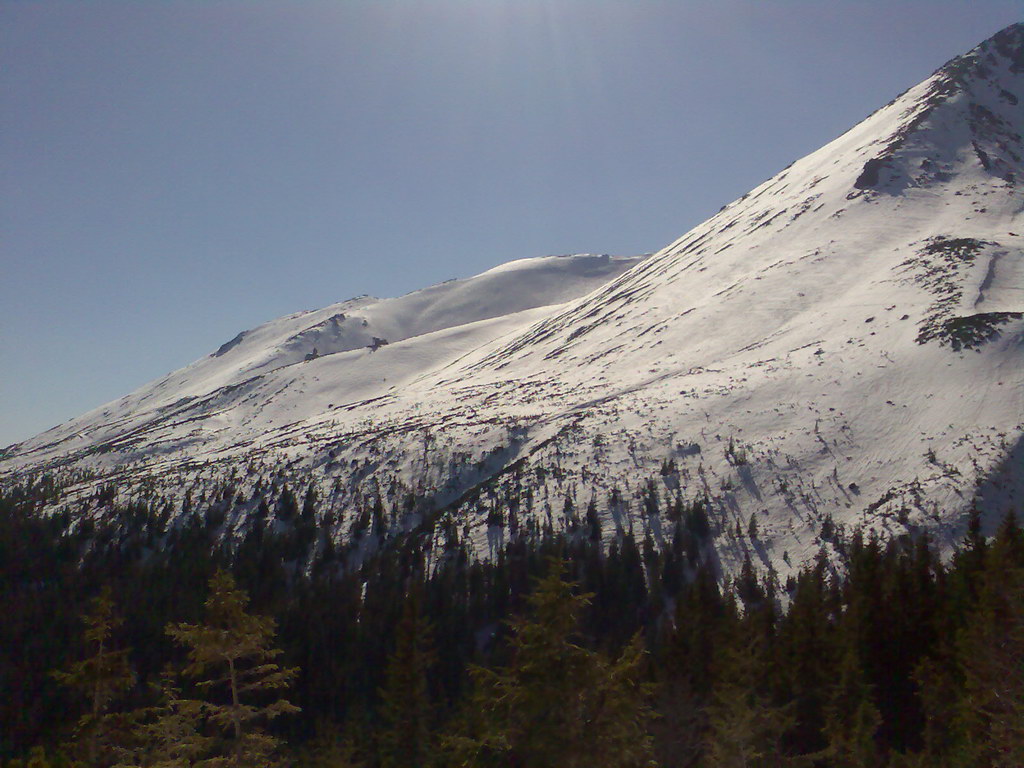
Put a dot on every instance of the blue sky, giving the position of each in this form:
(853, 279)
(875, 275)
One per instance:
(173, 172)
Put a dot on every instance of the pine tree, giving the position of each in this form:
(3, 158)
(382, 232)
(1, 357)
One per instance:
(405, 698)
(309, 503)
(748, 588)
(287, 505)
(593, 521)
(746, 725)
(168, 735)
(329, 748)
(805, 656)
(232, 650)
(852, 719)
(101, 677)
(557, 703)
(991, 653)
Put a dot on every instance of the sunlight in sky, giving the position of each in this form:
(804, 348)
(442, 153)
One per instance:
(175, 172)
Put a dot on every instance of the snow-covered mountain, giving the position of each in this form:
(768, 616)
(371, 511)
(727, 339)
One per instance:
(309, 363)
(842, 345)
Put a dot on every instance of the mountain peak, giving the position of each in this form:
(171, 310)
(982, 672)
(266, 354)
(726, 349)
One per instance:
(971, 103)
(1009, 42)
(1004, 51)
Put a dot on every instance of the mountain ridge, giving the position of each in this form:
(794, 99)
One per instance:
(843, 343)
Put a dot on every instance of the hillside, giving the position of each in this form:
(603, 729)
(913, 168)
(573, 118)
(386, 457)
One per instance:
(842, 345)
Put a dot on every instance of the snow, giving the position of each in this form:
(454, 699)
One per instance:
(258, 362)
(790, 322)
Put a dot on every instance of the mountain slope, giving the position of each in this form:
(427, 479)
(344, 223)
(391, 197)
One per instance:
(844, 344)
(345, 340)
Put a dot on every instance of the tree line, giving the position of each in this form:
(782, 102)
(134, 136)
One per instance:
(562, 649)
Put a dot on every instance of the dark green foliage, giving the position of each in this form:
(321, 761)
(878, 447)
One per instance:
(894, 658)
(406, 707)
(41, 595)
(557, 702)
(104, 675)
(806, 656)
(746, 726)
(167, 734)
(852, 719)
(329, 748)
(287, 506)
(973, 688)
(230, 656)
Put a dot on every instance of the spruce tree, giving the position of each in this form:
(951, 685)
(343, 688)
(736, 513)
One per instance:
(557, 704)
(101, 678)
(852, 719)
(231, 657)
(331, 747)
(805, 656)
(991, 653)
(405, 698)
(746, 725)
(168, 734)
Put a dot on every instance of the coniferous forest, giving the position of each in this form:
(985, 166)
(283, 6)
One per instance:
(141, 639)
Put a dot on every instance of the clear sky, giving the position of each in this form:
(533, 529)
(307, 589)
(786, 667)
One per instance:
(175, 171)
